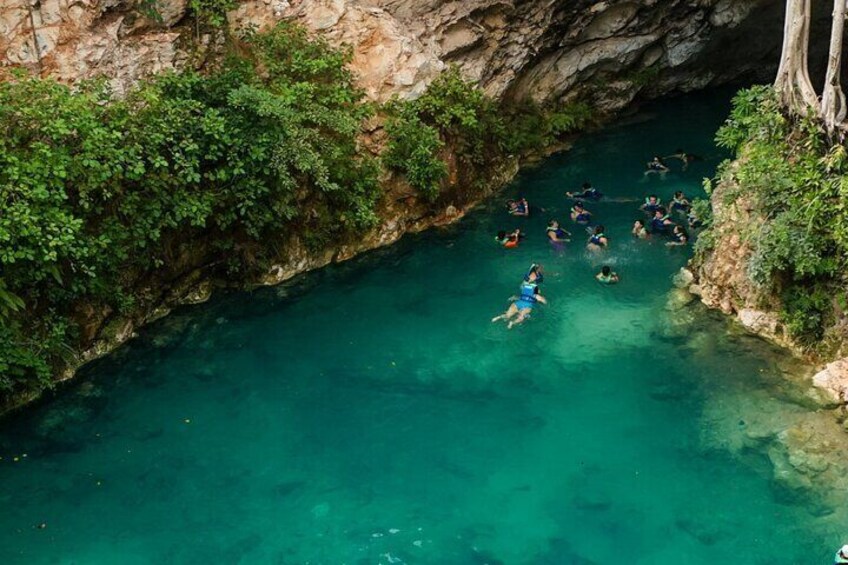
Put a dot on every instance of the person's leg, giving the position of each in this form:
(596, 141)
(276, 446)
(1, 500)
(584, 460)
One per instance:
(510, 312)
(522, 315)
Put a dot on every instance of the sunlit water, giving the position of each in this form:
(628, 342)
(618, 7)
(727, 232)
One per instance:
(371, 413)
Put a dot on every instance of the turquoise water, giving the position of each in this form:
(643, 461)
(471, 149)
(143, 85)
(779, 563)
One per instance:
(371, 413)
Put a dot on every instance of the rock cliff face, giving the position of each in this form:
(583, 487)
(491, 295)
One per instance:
(549, 50)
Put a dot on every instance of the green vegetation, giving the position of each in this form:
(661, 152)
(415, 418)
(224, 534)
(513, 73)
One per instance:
(100, 192)
(479, 130)
(798, 180)
(106, 196)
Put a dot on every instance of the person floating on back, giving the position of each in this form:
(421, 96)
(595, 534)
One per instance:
(656, 165)
(589, 193)
(579, 214)
(607, 276)
(509, 240)
(523, 304)
(519, 207)
(684, 157)
(556, 235)
(597, 240)
(841, 556)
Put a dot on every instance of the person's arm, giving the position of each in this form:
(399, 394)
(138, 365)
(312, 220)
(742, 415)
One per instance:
(604, 241)
(540, 298)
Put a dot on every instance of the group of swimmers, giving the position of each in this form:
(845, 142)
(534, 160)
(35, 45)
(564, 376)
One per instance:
(658, 223)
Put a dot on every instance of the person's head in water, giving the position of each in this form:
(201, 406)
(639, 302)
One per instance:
(638, 225)
(659, 213)
(587, 185)
(599, 230)
(501, 235)
(605, 270)
(578, 205)
(553, 224)
(653, 199)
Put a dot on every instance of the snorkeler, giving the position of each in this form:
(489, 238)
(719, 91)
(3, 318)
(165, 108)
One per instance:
(660, 224)
(598, 240)
(589, 193)
(607, 276)
(556, 234)
(639, 230)
(535, 274)
(522, 305)
(656, 165)
(651, 205)
(679, 237)
(679, 202)
(579, 214)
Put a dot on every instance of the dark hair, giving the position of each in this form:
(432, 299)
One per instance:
(640, 222)
(501, 234)
(587, 184)
(599, 229)
(660, 210)
(653, 196)
(578, 204)
(679, 193)
(605, 270)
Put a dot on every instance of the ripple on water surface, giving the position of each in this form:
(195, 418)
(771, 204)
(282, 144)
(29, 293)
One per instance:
(370, 413)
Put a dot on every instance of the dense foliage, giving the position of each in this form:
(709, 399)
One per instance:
(97, 190)
(798, 179)
(478, 129)
(104, 196)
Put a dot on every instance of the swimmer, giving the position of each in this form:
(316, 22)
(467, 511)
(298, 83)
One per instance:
(598, 240)
(639, 230)
(656, 165)
(660, 224)
(521, 208)
(679, 202)
(556, 234)
(607, 276)
(589, 192)
(522, 305)
(509, 240)
(684, 157)
(651, 205)
(579, 214)
(679, 237)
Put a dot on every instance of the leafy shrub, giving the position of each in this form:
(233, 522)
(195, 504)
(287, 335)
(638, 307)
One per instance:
(798, 181)
(100, 190)
(454, 112)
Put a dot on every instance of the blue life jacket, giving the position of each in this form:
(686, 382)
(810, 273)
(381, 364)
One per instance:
(677, 237)
(528, 291)
(582, 217)
(596, 239)
(520, 208)
(558, 232)
(679, 205)
(658, 225)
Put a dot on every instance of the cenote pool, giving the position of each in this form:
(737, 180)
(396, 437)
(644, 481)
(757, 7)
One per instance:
(371, 413)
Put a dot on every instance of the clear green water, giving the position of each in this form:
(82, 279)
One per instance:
(307, 423)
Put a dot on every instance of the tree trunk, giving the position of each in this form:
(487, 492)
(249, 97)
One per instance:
(833, 99)
(793, 77)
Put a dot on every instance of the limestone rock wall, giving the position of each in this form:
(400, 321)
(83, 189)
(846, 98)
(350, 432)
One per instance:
(551, 49)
